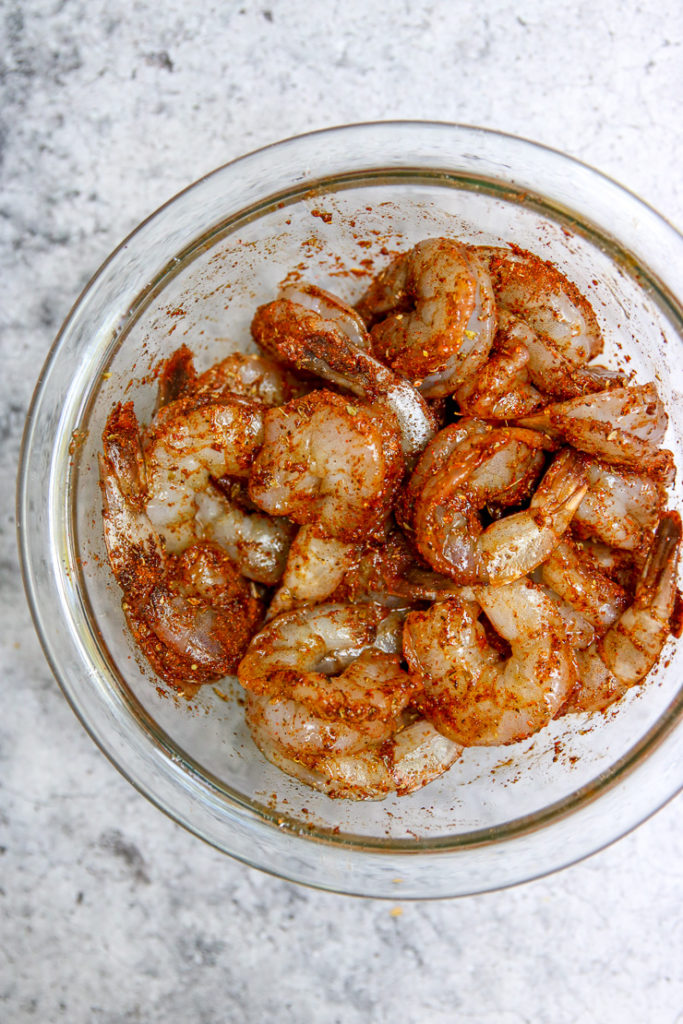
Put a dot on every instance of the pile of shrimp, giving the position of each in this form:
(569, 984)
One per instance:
(425, 523)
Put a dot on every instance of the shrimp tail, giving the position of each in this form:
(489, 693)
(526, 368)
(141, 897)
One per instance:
(632, 646)
(176, 376)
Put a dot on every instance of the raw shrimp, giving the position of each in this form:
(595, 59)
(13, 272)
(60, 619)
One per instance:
(630, 648)
(257, 544)
(335, 314)
(580, 632)
(390, 573)
(327, 461)
(316, 564)
(577, 578)
(340, 661)
(625, 425)
(304, 340)
(509, 478)
(620, 507)
(413, 754)
(249, 376)
(470, 464)
(616, 563)
(501, 389)
(188, 442)
(538, 293)
(192, 615)
(441, 315)
(474, 695)
(548, 368)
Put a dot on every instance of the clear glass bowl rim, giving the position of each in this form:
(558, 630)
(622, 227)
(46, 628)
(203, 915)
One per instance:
(635, 789)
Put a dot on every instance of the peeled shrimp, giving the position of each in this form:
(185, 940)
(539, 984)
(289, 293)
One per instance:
(303, 339)
(549, 368)
(467, 466)
(630, 648)
(316, 565)
(625, 425)
(246, 375)
(332, 467)
(336, 315)
(390, 573)
(188, 442)
(577, 578)
(620, 507)
(474, 695)
(538, 293)
(338, 660)
(327, 461)
(411, 756)
(191, 615)
(441, 315)
(501, 389)
(256, 543)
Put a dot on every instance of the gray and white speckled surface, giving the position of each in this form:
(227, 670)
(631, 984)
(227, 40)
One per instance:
(109, 913)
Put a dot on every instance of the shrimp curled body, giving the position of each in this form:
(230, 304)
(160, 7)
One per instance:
(630, 648)
(191, 614)
(327, 461)
(468, 466)
(472, 694)
(441, 318)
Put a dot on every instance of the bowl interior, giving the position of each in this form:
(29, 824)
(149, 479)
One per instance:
(337, 237)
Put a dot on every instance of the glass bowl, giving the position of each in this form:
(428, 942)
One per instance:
(330, 205)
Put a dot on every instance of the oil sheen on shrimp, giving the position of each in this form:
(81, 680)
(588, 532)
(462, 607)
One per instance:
(631, 647)
(473, 694)
(438, 315)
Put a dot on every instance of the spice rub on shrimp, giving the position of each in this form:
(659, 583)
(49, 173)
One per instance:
(190, 441)
(621, 507)
(631, 647)
(329, 703)
(437, 315)
(411, 757)
(538, 293)
(245, 375)
(305, 340)
(470, 464)
(191, 615)
(258, 544)
(472, 693)
(625, 426)
(341, 661)
(427, 522)
(333, 467)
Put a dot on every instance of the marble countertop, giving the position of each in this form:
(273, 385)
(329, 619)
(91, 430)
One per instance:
(110, 913)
